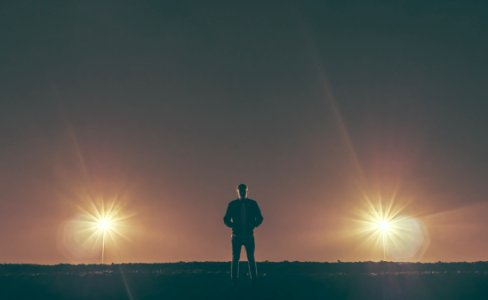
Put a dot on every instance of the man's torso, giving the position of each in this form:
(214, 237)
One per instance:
(243, 213)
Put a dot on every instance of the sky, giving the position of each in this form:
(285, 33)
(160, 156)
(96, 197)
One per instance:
(319, 106)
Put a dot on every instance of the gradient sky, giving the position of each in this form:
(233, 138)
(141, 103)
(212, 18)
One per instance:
(313, 105)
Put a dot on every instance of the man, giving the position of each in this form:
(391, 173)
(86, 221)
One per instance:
(243, 215)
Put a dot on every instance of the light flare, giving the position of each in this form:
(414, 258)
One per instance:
(99, 225)
(385, 226)
(105, 222)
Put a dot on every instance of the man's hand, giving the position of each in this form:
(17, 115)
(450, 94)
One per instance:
(229, 223)
(228, 218)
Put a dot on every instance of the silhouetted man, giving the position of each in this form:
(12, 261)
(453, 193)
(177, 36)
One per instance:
(243, 215)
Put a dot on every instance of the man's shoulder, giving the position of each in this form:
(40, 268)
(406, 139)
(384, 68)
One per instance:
(252, 201)
(233, 202)
(237, 201)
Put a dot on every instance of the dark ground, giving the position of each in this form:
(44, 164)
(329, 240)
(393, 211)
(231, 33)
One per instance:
(286, 280)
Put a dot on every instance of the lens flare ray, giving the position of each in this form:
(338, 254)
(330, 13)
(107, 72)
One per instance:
(100, 224)
(385, 226)
(103, 222)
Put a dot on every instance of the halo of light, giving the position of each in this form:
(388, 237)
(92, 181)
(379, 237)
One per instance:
(99, 224)
(388, 229)
(105, 224)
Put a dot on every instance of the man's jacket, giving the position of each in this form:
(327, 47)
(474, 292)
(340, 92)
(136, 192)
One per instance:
(243, 215)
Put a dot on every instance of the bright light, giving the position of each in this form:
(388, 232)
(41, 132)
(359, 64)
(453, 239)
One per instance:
(384, 226)
(381, 225)
(105, 224)
(103, 219)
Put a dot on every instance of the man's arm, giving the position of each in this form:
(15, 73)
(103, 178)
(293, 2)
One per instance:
(259, 217)
(227, 218)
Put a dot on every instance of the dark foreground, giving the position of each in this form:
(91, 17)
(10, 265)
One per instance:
(278, 281)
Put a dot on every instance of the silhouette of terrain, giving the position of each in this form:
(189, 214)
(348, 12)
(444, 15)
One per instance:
(283, 280)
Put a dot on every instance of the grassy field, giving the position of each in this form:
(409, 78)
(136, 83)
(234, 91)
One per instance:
(285, 280)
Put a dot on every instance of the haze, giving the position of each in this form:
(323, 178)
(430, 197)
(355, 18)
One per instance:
(168, 108)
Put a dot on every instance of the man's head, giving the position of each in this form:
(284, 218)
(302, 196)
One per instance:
(242, 190)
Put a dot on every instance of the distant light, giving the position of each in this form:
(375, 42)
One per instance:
(381, 224)
(384, 226)
(105, 224)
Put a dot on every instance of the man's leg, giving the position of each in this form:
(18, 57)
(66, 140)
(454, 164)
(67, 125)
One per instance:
(250, 246)
(236, 254)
